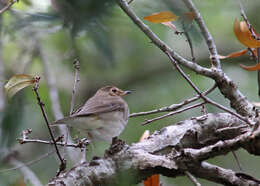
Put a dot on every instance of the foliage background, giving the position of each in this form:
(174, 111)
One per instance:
(111, 50)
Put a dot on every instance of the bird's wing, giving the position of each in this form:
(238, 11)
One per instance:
(93, 108)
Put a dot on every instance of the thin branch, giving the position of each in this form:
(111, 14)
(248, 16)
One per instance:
(243, 14)
(28, 173)
(76, 81)
(8, 6)
(192, 178)
(237, 160)
(173, 113)
(174, 107)
(206, 34)
(30, 162)
(207, 100)
(81, 144)
(62, 161)
(186, 34)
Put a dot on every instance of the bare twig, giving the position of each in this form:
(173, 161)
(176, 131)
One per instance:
(185, 31)
(192, 178)
(30, 162)
(237, 160)
(76, 80)
(206, 34)
(207, 100)
(174, 107)
(62, 161)
(8, 6)
(172, 113)
(74, 145)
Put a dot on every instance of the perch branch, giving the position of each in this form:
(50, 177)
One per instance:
(174, 107)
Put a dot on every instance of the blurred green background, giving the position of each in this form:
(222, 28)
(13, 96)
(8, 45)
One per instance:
(112, 50)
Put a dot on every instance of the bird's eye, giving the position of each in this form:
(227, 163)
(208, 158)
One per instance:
(114, 90)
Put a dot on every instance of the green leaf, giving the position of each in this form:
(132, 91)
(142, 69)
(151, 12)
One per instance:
(17, 83)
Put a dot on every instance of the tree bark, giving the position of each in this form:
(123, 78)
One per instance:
(170, 152)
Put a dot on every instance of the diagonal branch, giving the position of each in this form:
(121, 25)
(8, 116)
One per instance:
(206, 34)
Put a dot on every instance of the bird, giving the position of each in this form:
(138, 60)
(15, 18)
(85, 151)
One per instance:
(102, 117)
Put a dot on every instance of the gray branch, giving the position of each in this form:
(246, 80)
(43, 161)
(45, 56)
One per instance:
(167, 152)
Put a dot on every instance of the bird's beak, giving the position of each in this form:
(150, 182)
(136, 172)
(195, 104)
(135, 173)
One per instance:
(127, 92)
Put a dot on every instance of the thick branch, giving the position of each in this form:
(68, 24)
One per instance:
(161, 153)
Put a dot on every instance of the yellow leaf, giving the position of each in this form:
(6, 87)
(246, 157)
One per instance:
(244, 35)
(17, 83)
(161, 17)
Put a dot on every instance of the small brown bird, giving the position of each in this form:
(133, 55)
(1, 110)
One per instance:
(102, 117)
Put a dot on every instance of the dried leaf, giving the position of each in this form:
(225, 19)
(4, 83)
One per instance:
(234, 54)
(251, 68)
(17, 83)
(161, 17)
(244, 35)
(152, 180)
(171, 25)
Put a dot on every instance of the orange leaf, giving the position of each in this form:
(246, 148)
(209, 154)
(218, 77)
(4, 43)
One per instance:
(251, 68)
(161, 17)
(244, 35)
(152, 180)
(234, 54)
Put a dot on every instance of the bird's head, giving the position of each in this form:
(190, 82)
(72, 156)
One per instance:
(112, 91)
